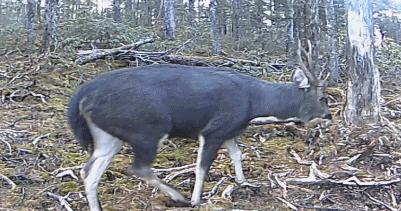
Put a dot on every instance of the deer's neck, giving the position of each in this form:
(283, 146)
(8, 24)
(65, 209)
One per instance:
(275, 99)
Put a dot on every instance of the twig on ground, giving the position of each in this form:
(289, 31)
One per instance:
(37, 139)
(62, 200)
(226, 194)
(7, 144)
(174, 168)
(215, 188)
(9, 181)
(68, 172)
(289, 205)
(68, 168)
(380, 202)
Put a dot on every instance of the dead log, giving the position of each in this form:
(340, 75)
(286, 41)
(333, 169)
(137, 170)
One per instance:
(85, 56)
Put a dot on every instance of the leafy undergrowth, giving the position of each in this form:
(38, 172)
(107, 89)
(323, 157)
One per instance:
(37, 145)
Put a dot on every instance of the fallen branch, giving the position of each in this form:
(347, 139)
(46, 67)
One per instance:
(68, 172)
(380, 202)
(68, 168)
(215, 188)
(62, 200)
(9, 181)
(174, 175)
(91, 55)
(174, 168)
(289, 205)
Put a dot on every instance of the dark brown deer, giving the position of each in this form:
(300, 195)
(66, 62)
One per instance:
(142, 106)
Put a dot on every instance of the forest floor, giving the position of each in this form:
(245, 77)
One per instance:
(337, 168)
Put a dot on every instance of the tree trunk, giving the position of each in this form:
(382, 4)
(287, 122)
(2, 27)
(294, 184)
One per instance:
(236, 19)
(169, 19)
(145, 12)
(30, 19)
(216, 45)
(312, 33)
(50, 24)
(332, 35)
(290, 47)
(128, 11)
(191, 11)
(117, 10)
(38, 11)
(363, 82)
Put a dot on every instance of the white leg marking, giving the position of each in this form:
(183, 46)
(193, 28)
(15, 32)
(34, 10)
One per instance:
(200, 174)
(235, 154)
(105, 147)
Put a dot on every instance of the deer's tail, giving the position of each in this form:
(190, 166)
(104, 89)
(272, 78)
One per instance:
(78, 124)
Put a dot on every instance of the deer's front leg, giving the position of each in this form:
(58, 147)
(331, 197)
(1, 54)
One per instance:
(236, 156)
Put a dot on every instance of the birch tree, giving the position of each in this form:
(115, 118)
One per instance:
(363, 81)
(169, 19)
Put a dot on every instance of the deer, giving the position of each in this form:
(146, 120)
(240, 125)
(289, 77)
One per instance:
(144, 106)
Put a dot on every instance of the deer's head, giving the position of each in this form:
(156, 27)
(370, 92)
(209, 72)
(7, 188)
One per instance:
(315, 103)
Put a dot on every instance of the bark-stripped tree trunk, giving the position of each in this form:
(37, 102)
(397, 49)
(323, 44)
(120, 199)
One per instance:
(169, 19)
(332, 35)
(50, 25)
(363, 82)
(216, 45)
(30, 19)
(117, 10)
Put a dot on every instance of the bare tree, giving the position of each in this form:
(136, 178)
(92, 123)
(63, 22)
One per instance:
(169, 19)
(312, 32)
(216, 45)
(117, 10)
(291, 47)
(332, 35)
(128, 10)
(363, 81)
(30, 19)
(237, 17)
(191, 11)
(50, 24)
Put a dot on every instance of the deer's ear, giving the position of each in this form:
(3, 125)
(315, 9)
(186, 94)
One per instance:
(300, 78)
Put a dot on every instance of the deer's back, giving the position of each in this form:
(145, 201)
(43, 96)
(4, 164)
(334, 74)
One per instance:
(179, 100)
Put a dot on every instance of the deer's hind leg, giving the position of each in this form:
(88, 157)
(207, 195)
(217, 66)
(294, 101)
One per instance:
(145, 149)
(105, 147)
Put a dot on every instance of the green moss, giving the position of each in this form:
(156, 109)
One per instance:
(70, 186)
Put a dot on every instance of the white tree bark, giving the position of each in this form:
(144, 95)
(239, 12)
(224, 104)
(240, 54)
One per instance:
(169, 19)
(363, 82)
